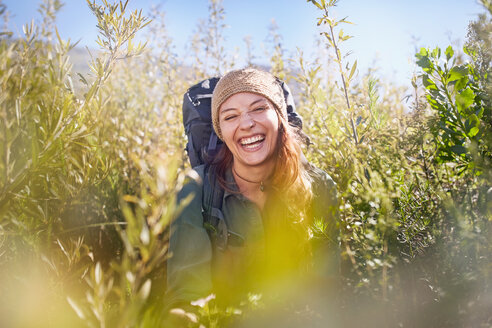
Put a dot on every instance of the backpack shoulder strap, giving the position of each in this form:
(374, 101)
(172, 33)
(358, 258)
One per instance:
(213, 218)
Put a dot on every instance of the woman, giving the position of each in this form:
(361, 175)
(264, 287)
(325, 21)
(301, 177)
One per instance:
(282, 208)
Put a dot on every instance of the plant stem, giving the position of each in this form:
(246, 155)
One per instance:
(344, 83)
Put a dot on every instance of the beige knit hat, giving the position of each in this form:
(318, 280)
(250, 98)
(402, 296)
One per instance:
(247, 80)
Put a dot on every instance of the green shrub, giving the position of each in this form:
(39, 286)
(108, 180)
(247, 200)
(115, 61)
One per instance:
(89, 176)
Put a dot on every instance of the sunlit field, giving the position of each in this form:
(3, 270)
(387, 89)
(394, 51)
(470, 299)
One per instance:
(91, 161)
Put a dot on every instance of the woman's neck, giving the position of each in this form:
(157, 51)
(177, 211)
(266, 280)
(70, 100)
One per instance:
(253, 182)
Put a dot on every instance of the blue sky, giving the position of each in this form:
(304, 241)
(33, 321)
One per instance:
(386, 32)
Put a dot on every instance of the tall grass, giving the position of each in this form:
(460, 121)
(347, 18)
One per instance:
(88, 178)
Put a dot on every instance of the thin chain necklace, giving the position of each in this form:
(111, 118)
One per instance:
(262, 186)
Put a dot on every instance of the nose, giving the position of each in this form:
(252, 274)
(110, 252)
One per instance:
(246, 121)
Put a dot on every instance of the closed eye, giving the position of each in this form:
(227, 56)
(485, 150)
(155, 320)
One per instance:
(229, 117)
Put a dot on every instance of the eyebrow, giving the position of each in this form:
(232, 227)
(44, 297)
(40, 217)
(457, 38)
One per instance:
(253, 103)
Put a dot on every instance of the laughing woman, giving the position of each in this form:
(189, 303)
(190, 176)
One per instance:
(279, 210)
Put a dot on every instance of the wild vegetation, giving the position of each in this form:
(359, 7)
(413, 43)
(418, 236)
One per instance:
(90, 165)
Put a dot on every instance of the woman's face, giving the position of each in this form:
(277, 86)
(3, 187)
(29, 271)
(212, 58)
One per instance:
(249, 125)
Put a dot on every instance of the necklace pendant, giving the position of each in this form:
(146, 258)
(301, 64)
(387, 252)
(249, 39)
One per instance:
(262, 186)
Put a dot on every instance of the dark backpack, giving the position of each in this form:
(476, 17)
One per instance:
(203, 144)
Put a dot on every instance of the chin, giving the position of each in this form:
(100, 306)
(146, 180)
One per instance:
(254, 161)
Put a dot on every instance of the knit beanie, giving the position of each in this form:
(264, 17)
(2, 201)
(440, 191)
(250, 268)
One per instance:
(247, 80)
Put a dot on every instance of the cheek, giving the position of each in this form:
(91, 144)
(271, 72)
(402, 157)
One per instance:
(275, 135)
(273, 123)
(227, 132)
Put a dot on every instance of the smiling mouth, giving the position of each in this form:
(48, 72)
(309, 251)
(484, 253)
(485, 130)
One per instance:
(251, 143)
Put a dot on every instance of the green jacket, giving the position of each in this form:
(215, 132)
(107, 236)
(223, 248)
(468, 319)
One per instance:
(275, 250)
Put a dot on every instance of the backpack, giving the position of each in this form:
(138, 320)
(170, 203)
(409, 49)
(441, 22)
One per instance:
(203, 144)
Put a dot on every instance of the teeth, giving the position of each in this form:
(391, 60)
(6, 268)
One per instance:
(250, 140)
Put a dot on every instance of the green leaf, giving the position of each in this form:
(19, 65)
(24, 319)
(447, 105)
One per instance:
(91, 91)
(98, 273)
(461, 83)
(428, 83)
(457, 73)
(449, 52)
(471, 125)
(436, 53)
(469, 51)
(458, 149)
(473, 132)
(76, 308)
(344, 20)
(464, 99)
(144, 291)
(424, 62)
(315, 3)
(423, 52)
(82, 79)
(352, 71)
(479, 111)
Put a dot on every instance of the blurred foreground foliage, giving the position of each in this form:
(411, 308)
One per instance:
(89, 175)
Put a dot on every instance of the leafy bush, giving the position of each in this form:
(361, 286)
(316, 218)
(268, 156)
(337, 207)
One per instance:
(89, 176)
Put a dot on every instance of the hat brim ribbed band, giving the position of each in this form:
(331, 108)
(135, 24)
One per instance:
(247, 80)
